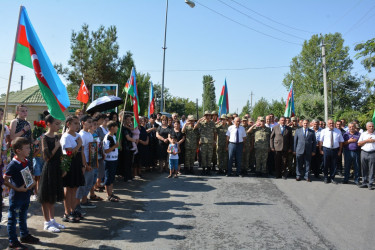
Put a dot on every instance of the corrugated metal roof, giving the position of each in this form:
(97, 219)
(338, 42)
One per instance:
(33, 95)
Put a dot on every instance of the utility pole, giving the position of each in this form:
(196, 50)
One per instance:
(196, 105)
(331, 98)
(21, 82)
(162, 101)
(325, 81)
(251, 99)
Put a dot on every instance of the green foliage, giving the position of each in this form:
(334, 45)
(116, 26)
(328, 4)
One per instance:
(351, 115)
(367, 53)
(181, 106)
(261, 108)
(209, 96)
(277, 107)
(246, 109)
(310, 105)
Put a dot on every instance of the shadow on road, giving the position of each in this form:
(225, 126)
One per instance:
(242, 203)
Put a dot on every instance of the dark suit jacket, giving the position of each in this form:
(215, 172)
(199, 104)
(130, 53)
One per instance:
(304, 144)
(281, 142)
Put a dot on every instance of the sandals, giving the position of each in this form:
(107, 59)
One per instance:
(70, 218)
(95, 198)
(99, 189)
(112, 198)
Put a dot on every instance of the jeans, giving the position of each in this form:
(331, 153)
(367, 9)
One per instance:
(304, 159)
(350, 157)
(330, 159)
(22, 206)
(83, 191)
(235, 150)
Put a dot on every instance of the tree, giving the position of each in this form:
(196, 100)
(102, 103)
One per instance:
(246, 109)
(307, 75)
(261, 108)
(277, 107)
(310, 106)
(95, 58)
(209, 97)
(367, 53)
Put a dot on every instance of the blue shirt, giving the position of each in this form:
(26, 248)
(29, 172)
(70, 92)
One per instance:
(317, 133)
(14, 172)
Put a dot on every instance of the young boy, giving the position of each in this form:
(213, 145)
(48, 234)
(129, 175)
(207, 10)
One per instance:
(19, 195)
(110, 146)
(173, 150)
(87, 138)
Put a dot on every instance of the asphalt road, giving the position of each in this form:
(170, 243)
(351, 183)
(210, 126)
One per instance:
(216, 212)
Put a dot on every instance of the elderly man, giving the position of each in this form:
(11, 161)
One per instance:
(207, 140)
(304, 147)
(191, 144)
(261, 135)
(330, 147)
(351, 153)
(236, 136)
(367, 143)
(221, 139)
(182, 121)
(339, 168)
(281, 143)
(316, 160)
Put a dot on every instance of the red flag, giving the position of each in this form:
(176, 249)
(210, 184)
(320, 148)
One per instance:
(83, 93)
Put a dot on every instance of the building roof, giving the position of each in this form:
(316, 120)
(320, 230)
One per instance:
(31, 96)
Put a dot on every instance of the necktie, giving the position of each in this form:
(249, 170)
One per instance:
(282, 130)
(237, 136)
(332, 138)
(305, 132)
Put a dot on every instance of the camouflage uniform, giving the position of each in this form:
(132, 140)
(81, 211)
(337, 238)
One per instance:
(191, 140)
(291, 160)
(214, 159)
(246, 152)
(261, 147)
(222, 154)
(206, 132)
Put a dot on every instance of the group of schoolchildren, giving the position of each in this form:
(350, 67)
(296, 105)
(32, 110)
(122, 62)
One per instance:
(70, 184)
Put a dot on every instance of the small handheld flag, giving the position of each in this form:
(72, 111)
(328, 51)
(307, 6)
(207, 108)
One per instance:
(151, 107)
(131, 89)
(223, 100)
(83, 93)
(289, 107)
(30, 53)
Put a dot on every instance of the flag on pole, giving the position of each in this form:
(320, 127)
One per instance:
(131, 89)
(83, 93)
(223, 100)
(373, 117)
(289, 108)
(30, 53)
(151, 107)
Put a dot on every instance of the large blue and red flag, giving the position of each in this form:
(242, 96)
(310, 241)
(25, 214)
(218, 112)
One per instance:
(30, 53)
(289, 107)
(151, 107)
(131, 89)
(223, 100)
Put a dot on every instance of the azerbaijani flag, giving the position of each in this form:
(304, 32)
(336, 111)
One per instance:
(131, 89)
(223, 100)
(151, 107)
(289, 108)
(30, 53)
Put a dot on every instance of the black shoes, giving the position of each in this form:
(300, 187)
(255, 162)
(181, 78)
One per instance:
(29, 239)
(17, 245)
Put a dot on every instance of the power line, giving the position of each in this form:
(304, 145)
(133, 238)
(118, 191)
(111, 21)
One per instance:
(233, 69)
(248, 27)
(269, 26)
(347, 12)
(270, 19)
(354, 25)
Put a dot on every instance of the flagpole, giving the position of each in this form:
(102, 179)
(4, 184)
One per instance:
(149, 102)
(122, 120)
(9, 81)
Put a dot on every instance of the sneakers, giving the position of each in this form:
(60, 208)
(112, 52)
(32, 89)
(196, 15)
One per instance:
(59, 226)
(50, 227)
(88, 205)
(17, 245)
(29, 239)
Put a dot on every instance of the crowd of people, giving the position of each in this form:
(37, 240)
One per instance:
(72, 164)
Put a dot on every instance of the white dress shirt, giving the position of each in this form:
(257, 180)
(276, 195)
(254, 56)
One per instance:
(368, 147)
(325, 137)
(232, 133)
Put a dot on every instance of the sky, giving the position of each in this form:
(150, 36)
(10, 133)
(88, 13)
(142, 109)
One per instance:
(249, 43)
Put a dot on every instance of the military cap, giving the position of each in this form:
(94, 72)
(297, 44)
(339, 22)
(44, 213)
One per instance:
(262, 118)
(214, 113)
(190, 118)
(294, 118)
(223, 117)
(229, 116)
(244, 118)
(251, 120)
(207, 112)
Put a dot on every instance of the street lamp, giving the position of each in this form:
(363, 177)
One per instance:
(191, 4)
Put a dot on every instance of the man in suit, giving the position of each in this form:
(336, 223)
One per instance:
(281, 143)
(304, 148)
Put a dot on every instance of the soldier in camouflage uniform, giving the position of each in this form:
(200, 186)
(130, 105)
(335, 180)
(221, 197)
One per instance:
(221, 140)
(250, 138)
(207, 135)
(191, 144)
(214, 159)
(261, 145)
(291, 160)
(246, 148)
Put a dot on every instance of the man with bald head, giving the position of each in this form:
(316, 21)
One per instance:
(330, 146)
(236, 136)
(367, 143)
